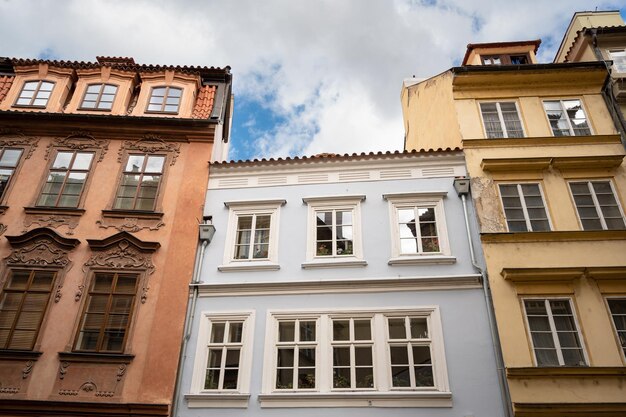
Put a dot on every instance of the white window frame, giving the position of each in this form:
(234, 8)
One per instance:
(501, 118)
(431, 199)
(555, 338)
(596, 203)
(199, 397)
(383, 394)
(608, 308)
(327, 203)
(247, 208)
(616, 68)
(569, 122)
(524, 208)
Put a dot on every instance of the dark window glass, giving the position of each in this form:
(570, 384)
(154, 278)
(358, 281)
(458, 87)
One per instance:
(139, 186)
(66, 179)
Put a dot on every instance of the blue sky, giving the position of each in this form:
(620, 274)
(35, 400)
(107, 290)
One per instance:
(308, 76)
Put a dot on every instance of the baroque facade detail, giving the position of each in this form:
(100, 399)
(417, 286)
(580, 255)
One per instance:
(51, 220)
(80, 141)
(11, 137)
(129, 224)
(150, 144)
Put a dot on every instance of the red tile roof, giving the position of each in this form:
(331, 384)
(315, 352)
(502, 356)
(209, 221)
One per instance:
(204, 102)
(332, 156)
(5, 85)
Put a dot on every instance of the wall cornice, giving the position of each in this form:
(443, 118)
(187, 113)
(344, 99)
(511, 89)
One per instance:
(555, 236)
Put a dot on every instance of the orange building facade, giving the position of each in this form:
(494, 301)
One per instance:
(103, 166)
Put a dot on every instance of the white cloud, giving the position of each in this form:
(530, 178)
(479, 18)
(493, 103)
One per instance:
(330, 69)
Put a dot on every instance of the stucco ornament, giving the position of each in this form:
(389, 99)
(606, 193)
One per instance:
(130, 224)
(150, 144)
(54, 221)
(41, 253)
(10, 137)
(80, 141)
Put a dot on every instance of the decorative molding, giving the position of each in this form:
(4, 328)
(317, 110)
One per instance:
(90, 357)
(556, 236)
(51, 220)
(19, 355)
(422, 260)
(40, 253)
(3, 228)
(27, 369)
(63, 369)
(217, 400)
(334, 199)
(87, 387)
(121, 370)
(130, 224)
(360, 399)
(150, 144)
(599, 409)
(560, 163)
(254, 203)
(80, 141)
(359, 285)
(8, 390)
(415, 195)
(565, 371)
(541, 141)
(11, 137)
(334, 263)
(249, 266)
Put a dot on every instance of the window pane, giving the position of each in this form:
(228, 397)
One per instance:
(135, 163)
(307, 331)
(362, 330)
(397, 329)
(419, 328)
(341, 330)
(217, 332)
(286, 331)
(10, 157)
(155, 164)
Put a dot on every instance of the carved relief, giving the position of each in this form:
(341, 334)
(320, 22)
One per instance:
(11, 137)
(80, 141)
(130, 224)
(120, 372)
(43, 252)
(51, 220)
(63, 369)
(150, 144)
(83, 382)
(8, 390)
(3, 228)
(27, 369)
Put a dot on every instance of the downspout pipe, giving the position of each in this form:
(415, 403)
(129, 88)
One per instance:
(461, 185)
(189, 317)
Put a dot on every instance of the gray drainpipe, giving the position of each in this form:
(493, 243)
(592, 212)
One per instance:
(461, 185)
(207, 230)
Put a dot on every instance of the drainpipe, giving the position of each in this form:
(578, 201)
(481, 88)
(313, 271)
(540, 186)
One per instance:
(206, 232)
(461, 185)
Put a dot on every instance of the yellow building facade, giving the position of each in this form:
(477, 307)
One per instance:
(548, 180)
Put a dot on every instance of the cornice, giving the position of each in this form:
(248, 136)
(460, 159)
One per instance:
(563, 274)
(542, 141)
(566, 372)
(555, 236)
(599, 409)
(560, 162)
(392, 284)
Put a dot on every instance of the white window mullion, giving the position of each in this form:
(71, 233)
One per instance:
(596, 203)
(569, 122)
(524, 207)
(555, 335)
(501, 118)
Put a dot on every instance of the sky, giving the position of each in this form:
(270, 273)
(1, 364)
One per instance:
(309, 76)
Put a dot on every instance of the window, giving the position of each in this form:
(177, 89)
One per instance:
(334, 231)
(35, 94)
(501, 120)
(617, 307)
(139, 186)
(360, 354)
(519, 59)
(619, 60)
(524, 208)
(491, 60)
(567, 117)
(223, 360)
(22, 306)
(554, 333)
(165, 99)
(252, 237)
(99, 97)
(296, 353)
(9, 158)
(66, 179)
(597, 206)
(409, 350)
(107, 313)
(418, 228)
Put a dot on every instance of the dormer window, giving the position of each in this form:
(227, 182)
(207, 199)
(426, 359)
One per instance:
(99, 97)
(35, 94)
(165, 99)
(521, 59)
(492, 60)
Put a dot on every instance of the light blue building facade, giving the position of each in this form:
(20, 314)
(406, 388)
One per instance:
(342, 285)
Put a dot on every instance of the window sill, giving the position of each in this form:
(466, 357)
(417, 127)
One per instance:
(352, 399)
(249, 266)
(335, 263)
(566, 371)
(91, 357)
(68, 211)
(140, 214)
(555, 236)
(18, 355)
(218, 400)
(422, 260)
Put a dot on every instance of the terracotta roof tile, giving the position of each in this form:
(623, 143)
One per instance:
(332, 157)
(585, 30)
(5, 85)
(204, 103)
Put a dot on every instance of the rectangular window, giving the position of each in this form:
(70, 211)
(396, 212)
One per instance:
(501, 120)
(296, 354)
(524, 208)
(224, 360)
(409, 349)
(165, 99)
(491, 60)
(352, 345)
(554, 333)
(619, 60)
(334, 236)
(107, 313)
(418, 230)
(597, 206)
(139, 186)
(519, 59)
(9, 158)
(253, 236)
(66, 179)
(35, 94)
(618, 312)
(567, 117)
(23, 304)
(99, 97)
